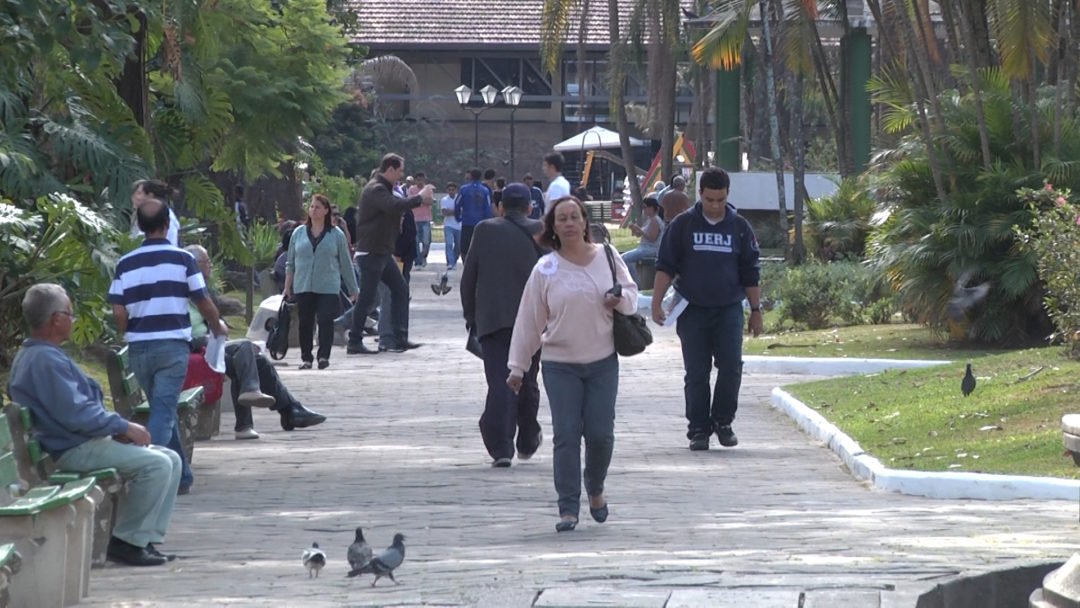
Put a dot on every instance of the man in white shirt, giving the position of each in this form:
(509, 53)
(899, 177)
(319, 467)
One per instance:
(558, 187)
(451, 226)
(144, 190)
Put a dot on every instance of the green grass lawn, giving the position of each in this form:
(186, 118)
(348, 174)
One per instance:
(918, 419)
(900, 341)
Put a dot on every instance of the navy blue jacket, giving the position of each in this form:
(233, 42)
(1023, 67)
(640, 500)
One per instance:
(712, 265)
(473, 204)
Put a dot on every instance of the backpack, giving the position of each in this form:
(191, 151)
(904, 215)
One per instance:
(277, 340)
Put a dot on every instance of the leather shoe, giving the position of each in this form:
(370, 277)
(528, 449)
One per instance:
(360, 349)
(297, 416)
(126, 553)
(152, 550)
(411, 345)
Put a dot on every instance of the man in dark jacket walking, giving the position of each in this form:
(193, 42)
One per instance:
(712, 255)
(378, 223)
(491, 285)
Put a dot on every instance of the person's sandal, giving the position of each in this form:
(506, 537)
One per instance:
(566, 525)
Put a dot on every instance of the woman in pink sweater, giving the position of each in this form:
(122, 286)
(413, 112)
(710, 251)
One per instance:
(566, 310)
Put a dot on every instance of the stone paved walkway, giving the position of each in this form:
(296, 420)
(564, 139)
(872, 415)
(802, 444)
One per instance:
(752, 526)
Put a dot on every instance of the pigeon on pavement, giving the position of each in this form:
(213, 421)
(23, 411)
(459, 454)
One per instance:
(359, 553)
(313, 559)
(443, 287)
(967, 385)
(386, 562)
(964, 298)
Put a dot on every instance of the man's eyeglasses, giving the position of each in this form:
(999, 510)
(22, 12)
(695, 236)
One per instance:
(66, 314)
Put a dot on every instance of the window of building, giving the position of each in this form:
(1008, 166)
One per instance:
(501, 72)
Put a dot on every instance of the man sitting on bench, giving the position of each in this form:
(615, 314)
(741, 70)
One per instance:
(72, 424)
(254, 380)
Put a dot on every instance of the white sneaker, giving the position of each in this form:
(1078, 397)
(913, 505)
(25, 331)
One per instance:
(255, 399)
(247, 434)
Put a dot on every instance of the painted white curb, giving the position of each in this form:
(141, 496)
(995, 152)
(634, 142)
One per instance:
(921, 483)
(827, 366)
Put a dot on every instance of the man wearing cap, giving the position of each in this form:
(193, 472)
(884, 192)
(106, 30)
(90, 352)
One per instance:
(491, 287)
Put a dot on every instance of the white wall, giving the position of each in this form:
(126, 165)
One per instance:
(756, 190)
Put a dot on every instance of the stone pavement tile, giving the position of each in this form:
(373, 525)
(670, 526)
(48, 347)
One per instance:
(401, 451)
(734, 598)
(842, 598)
(600, 597)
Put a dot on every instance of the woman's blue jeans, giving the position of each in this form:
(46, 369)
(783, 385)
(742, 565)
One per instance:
(582, 400)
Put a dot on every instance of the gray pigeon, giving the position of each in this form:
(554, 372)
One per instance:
(386, 562)
(359, 553)
(965, 298)
(313, 559)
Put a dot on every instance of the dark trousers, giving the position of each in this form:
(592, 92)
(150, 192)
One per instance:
(312, 307)
(378, 268)
(466, 238)
(242, 363)
(505, 412)
(711, 337)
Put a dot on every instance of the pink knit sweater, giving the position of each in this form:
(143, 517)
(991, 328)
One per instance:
(562, 310)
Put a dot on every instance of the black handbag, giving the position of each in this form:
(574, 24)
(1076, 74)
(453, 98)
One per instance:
(632, 335)
(277, 340)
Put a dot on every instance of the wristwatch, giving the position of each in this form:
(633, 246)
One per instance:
(755, 309)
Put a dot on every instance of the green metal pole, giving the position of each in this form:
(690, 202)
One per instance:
(726, 146)
(857, 58)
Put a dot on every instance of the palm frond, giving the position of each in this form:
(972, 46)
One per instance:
(555, 26)
(721, 47)
(1023, 29)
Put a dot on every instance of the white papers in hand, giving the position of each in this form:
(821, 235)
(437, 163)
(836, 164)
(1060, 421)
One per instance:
(673, 304)
(215, 353)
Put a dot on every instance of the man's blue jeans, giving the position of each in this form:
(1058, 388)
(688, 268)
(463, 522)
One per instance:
(160, 367)
(711, 336)
(423, 242)
(638, 253)
(452, 237)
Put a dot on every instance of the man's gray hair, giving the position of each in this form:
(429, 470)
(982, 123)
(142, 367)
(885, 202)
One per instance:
(198, 251)
(41, 302)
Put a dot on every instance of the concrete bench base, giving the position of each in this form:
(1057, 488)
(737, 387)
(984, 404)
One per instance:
(1070, 435)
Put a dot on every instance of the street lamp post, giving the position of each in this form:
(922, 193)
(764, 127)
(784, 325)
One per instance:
(511, 97)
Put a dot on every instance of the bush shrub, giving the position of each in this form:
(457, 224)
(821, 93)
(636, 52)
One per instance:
(819, 295)
(838, 225)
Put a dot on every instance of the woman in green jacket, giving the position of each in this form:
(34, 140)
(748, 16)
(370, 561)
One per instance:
(317, 265)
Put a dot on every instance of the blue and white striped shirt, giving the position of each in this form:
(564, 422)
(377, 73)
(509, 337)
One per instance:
(154, 284)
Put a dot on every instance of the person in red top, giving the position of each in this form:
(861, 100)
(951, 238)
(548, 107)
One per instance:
(422, 215)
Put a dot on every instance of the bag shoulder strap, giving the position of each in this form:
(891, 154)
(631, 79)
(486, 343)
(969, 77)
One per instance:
(611, 264)
(539, 252)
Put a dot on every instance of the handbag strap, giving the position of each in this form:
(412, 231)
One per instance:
(611, 264)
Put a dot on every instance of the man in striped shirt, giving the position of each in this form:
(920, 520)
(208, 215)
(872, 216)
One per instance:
(149, 296)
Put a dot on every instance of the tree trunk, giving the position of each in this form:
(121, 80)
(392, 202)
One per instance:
(920, 95)
(617, 63)
(663, 30)
(774, 122)
(582, 60)
(845, 162)
(798, 254)
(132, 86)
(976, 87)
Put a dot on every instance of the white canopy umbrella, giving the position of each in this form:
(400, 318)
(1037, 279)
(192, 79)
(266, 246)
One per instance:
(595, 138)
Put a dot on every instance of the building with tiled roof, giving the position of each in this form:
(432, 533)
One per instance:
(477, 43)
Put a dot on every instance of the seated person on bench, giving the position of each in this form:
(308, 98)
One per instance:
(255, 382)
(72, 424)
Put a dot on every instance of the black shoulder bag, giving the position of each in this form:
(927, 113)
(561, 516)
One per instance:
(632, 335)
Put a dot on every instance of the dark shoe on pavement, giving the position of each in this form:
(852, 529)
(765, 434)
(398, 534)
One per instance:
(305, 365)
(324, 363)
(297, 416)
(182, 490)
(126, 553)
(527, 455)
(152, 550)
(411, 345)
(599, 515)
(566, 525)
(360, 349)
(699, 443)
(726, 436)
(501, 463)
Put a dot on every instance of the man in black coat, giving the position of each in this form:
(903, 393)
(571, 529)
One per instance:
(502, 255)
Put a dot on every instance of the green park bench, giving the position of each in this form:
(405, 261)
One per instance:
(129, 402)
(51, 526)
(10, 564)
(41, 470)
